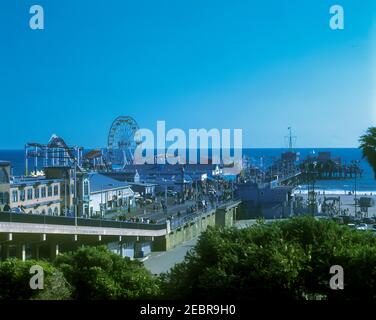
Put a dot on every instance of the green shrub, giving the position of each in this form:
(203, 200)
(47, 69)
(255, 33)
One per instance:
(284, 260)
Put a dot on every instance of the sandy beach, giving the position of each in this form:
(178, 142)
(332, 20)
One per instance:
(347, 201)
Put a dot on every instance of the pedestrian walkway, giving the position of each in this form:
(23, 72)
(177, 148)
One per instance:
(160, 262)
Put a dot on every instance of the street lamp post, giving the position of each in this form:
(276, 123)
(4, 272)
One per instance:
(355, 198)
(311, 191)
(313, 194)
(356, 202)
(165, 198)
(101, 206)
(75, 193)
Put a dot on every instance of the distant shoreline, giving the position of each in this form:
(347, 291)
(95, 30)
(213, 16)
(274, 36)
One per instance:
(336, 192)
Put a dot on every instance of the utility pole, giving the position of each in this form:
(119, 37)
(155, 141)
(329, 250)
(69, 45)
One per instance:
(65, 197)
(313, 194)
(101, 206)
(182, 181)
(311, 191)
(75, 193)
(26, 162)
(356, 202)
(166, 197)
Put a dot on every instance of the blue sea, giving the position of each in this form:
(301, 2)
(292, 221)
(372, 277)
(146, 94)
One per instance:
(263, 158)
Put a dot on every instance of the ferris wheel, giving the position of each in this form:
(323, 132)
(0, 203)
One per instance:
(122, 140)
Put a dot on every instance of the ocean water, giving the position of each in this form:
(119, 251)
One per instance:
(16, 158)
(263, 158)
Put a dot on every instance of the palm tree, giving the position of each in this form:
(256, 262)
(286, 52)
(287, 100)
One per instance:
(368, 146)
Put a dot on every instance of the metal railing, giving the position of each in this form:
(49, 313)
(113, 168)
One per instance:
(177, 222)
(81, 222)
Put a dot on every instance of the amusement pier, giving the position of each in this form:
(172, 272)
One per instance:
(69, 196)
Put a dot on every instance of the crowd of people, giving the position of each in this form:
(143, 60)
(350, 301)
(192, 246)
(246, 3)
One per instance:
(196, 198)
(138, 220)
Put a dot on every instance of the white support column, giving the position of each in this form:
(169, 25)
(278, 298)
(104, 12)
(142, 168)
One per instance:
(23, 248)
(54, 250)
(21, 251)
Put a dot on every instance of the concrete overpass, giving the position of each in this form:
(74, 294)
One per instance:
(25, 236)
(38, 236)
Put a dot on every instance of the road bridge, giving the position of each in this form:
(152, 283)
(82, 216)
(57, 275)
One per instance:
(39, 236)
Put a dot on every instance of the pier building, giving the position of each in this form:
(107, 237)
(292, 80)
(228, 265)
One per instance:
(67, 176)
(265, 201)
(100, 194)
(35, 195)
(4, 183)
(32, 195)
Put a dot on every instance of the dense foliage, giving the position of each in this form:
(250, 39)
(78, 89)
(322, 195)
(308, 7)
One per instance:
(283, 260)
(288, 259)
(15, 278)
(97, 273)
(87, 273)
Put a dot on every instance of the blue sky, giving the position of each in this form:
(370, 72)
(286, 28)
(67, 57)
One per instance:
(257, 65)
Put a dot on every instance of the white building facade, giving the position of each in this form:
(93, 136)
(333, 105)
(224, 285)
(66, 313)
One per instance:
(101, 194)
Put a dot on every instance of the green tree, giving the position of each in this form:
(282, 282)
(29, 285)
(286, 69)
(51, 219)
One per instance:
(238, 264)
(368, 146)
(15, 281)
(285, 260)
(57, 288)
(97, 273)
(327, 243)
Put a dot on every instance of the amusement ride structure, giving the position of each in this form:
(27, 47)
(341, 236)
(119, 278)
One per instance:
(122, 141)
(55, 153)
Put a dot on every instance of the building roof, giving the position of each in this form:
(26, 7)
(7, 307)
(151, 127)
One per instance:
(142, 184)
(100, 182)
(31, 181)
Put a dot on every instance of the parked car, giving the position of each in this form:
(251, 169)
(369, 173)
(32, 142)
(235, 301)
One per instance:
(362, 226)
